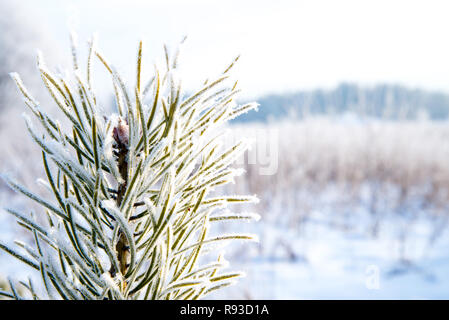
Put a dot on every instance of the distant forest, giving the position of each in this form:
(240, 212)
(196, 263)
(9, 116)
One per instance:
(392, 102)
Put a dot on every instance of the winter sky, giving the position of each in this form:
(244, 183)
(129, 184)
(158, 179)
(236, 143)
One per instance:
(285, 45)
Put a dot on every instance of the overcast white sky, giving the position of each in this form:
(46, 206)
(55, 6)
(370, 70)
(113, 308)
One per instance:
(285, 45)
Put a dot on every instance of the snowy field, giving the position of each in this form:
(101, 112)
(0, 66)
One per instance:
(328, 263)
(353, 211)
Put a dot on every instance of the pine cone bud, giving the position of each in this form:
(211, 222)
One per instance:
(121, 133)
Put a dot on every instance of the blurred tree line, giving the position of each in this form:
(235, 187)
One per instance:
(393, 102)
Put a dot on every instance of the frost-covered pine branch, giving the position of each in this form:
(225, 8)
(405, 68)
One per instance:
(133, 203)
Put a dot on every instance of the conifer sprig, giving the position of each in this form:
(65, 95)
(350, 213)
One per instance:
(132, 190)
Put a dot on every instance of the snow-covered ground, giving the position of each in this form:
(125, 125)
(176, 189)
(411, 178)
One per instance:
(320, 261)
(329, 263)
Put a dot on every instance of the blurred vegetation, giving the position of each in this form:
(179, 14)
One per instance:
(363, 176)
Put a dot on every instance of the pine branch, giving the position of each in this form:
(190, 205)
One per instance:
(131, 209)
